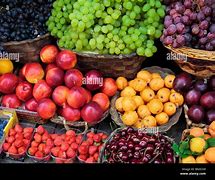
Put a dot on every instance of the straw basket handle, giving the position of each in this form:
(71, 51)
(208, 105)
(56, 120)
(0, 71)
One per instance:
(68, 128)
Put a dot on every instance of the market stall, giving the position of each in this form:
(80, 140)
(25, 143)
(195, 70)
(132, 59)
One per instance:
(107, 81)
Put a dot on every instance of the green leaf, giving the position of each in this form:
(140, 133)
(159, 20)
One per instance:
(211, 142)
(183, 146)
(187, 152)
(175, 148)
(184, 155)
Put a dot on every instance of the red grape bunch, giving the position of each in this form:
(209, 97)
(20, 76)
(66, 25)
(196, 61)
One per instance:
(190, 23)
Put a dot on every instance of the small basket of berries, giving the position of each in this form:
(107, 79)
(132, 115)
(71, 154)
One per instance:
(90, 147)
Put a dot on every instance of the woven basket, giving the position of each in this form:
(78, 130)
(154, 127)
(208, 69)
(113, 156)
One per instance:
(116, 116)
(200, 63)
(28, 50)
(27, 115)
(189, 122)
(111, 65)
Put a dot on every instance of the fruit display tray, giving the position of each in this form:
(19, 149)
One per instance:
(116, 116)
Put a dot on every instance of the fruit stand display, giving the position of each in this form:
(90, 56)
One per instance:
(90, 81)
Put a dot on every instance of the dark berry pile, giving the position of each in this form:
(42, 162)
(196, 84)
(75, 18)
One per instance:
(23, 19)
(190, 23)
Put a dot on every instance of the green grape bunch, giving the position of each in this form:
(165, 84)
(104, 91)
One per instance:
(108, 26)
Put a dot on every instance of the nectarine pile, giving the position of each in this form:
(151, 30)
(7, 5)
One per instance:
(55, 86)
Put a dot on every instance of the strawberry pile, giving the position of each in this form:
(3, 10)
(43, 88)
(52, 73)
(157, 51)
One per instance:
(18, 140)
(65, 146)
(89, 149)
(41, 144)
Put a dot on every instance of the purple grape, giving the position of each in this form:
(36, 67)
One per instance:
(186, 20)
(204, 25)
(200, 16)
(212, 28)
(209, 47)
(171, 29)
(207, 10)
(203, 40)
(195, 29)
(180, 27)
(188, 4)
(172, 12)
(193, 16)
(188, 12)
(179, 7)
(180, 40)
(177, 20)
(167, 23)
(175, 44)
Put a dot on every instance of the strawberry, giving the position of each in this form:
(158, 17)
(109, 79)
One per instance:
(70, 153)
(82, 157)
(62, 154)
(27, 135)
(40, 130)
(72, 140)
(18, 128)
(37, 137)
(92, 150)
(101, 134)
(97, 138)
(21, 150)
(12, 132)
(64, 146)
(90, 134)
(71, 133)
(85, 143)
(53, 136)
(26, 142)
(18, 143)
(12, 150)
(39, 154)
(47, 150)
(96, 156)
(49, 143)
(41, 147)
(6, 146)
(28, 130)
(63, 136)
(90, 141)
(104, 137)
(45, 136)
(74, 146)
(34, 144)
(55, 151)
(79, 139)
(82, 149)
(32, 150)
(19, 135)
(90, 160)
(11, 139)
(58, 141)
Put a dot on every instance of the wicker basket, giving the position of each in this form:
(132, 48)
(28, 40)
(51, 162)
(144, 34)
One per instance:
(200, 63)
(28, 50)
(111, 65)
(116, 116)
(27, 115)
(189, 122)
